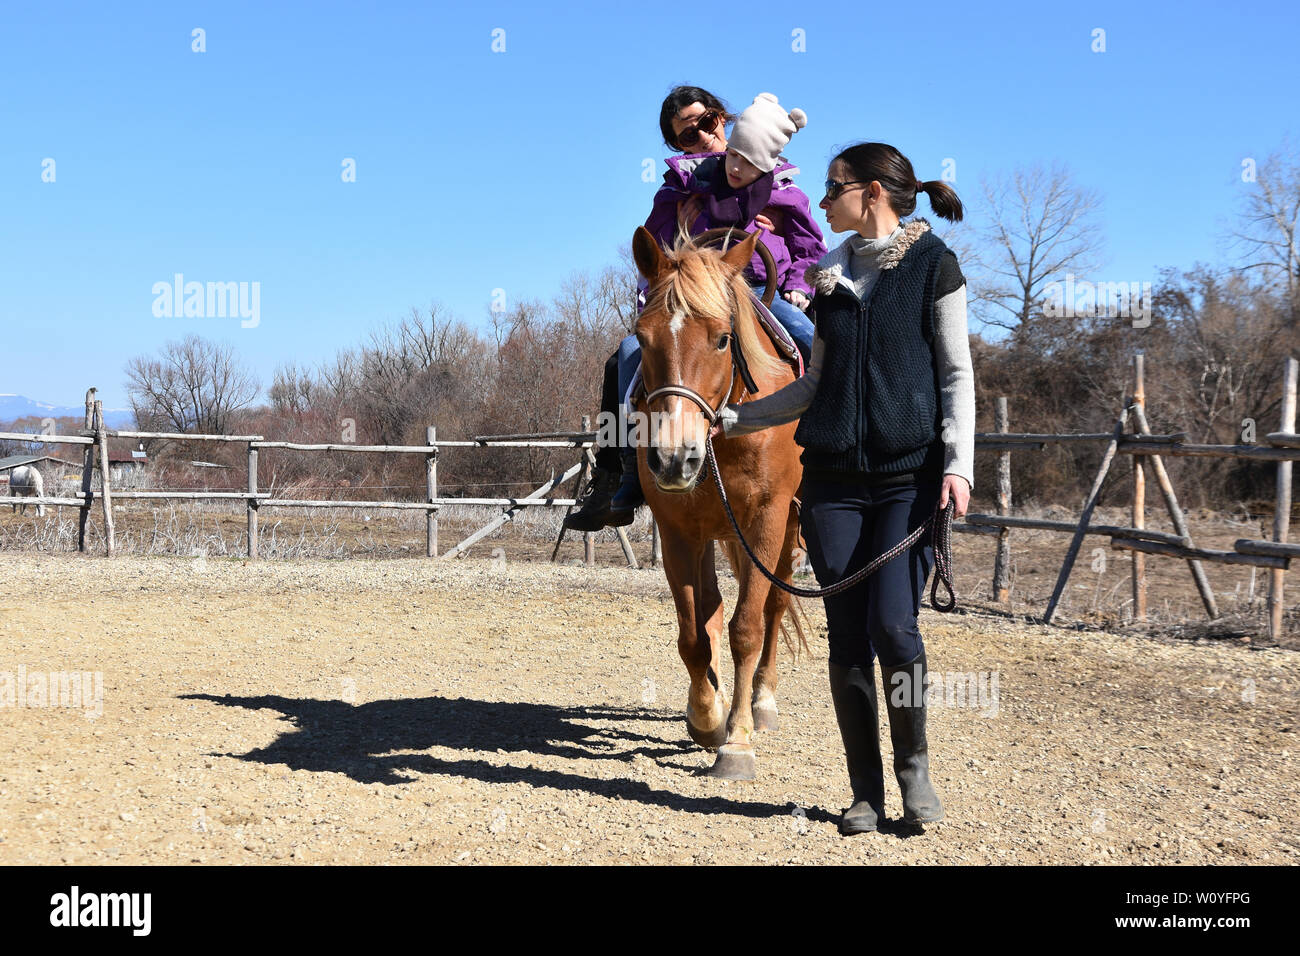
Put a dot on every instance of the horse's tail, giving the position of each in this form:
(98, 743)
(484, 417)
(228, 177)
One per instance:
(794, 612)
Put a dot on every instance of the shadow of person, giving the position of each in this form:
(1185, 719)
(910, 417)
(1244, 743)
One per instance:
(373, 743)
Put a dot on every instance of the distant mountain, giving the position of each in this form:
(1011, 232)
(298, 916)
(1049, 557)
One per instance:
(13, 407)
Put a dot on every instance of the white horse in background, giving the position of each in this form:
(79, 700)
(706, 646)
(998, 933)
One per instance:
(26, 482)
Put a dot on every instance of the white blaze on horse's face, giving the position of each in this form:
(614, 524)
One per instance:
(675, 325)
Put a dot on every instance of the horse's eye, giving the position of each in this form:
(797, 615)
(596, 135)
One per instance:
(724, 341)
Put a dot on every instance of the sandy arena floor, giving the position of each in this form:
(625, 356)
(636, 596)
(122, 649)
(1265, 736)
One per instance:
(489, 712)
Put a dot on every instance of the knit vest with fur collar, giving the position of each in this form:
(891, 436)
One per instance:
(876, 412)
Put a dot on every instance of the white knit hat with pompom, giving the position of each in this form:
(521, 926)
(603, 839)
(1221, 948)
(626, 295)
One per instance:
(764, 129)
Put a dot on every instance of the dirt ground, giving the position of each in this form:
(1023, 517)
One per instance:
(507, 711)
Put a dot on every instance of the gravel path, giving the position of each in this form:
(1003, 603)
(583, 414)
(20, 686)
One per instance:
(479, 711)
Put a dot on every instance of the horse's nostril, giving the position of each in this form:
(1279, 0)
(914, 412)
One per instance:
(652, 458)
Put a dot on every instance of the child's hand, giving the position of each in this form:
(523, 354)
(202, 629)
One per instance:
(764, 223)
(797, 299)
(688, 210)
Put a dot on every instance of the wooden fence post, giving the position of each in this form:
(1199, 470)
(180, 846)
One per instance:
(628, 554)
(1179, 522)
(1002, 562)
(588, 539)
(87, 474)
(1282, 504)
(586, 472)
(545, 491)
(656, 545)
(101, 436)
(431, 489)
(252, 503)
(1139, 499)
(1089, 505)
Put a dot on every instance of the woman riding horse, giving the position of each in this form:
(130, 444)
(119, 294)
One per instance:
(888, 426)
(718, 184)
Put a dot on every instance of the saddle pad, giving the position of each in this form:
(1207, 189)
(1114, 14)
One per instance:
(776, 332)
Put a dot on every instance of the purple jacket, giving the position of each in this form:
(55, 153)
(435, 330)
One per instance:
(795, 245)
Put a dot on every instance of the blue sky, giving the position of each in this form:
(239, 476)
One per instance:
(478, 170)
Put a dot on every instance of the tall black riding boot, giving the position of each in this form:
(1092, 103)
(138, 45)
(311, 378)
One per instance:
(594, 511)
(628, 497)
(905, 700)
(853, 690)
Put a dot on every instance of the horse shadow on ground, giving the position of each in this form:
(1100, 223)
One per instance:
(365, 742)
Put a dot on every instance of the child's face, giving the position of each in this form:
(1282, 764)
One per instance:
(740, 171)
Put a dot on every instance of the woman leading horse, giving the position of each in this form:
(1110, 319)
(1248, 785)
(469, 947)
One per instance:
(887, 425)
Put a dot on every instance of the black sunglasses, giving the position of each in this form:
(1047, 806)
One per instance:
(834, 187)
(707, 123)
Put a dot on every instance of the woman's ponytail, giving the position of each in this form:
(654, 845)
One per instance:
(882, 163)
(943, 199)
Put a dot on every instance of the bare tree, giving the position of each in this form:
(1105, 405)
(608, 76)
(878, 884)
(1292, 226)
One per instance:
(424, 365)
(1232, 333)
(1040, 226)
(195, 386)
(340, 378)
(291, 389)
(1270, 213)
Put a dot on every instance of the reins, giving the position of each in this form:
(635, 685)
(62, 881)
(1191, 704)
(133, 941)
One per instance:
(939, 522)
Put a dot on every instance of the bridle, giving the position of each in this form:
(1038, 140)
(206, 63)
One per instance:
(709, 411)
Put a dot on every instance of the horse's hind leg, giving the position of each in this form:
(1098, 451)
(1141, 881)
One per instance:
(765, 676)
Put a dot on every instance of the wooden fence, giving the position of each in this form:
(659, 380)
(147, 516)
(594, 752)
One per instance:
(94, 438)
(1130, 436)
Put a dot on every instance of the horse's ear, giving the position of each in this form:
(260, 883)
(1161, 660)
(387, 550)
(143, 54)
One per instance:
(738, 256)
(650, 259)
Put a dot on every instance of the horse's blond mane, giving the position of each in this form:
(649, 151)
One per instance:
(699, 285)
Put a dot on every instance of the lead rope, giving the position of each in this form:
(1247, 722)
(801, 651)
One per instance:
(939, 522)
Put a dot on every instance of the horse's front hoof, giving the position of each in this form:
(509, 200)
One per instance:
(734, 762)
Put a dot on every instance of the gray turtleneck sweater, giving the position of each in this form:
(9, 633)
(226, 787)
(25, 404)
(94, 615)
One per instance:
(952, 352)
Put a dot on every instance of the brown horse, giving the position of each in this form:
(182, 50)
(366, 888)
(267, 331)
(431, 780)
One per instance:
(697, 301)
